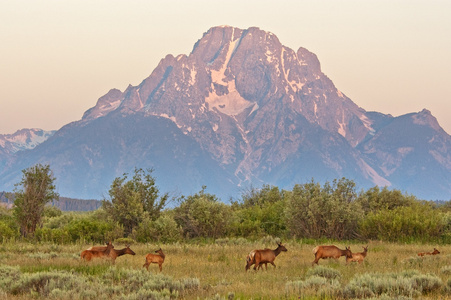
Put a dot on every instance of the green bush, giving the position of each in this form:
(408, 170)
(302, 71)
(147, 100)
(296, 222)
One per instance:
(8, 230)
(419, 222)
(330, 211)
(163, 230)
(261, 212)
(375, 199)
(203, 215)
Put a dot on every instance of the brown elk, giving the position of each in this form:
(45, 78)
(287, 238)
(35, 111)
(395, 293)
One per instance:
(330, 252)
(104, 252)
(115, 253)
(265, 256)
(98, 248)
(435, 252)
(250, 260)
(155, 259)
(358, 257)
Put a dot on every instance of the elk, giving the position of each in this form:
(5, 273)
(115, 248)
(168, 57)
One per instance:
(265, 256)
(250, 260)
(155, 259)
(435, 252)
(115, 253)
(358, 257)
(98, 248)
(330, 252)
(104, 252)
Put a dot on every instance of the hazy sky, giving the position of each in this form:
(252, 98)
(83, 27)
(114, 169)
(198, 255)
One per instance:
(58, 57)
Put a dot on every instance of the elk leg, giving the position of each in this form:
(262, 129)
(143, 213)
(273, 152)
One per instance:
(315, 261)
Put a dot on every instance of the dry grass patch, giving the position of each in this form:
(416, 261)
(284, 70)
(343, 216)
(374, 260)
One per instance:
(211, 270)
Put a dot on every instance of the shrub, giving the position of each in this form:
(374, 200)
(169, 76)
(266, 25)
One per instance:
(406, 223)
(203, 215)
(407, 283)
(261, 212)
(8, 231)
(324, 272)
(125, 241)
(316, 286)
(232, 241)
(330, 211)
(112, 283)
(446, 270)
(43, 282)
(427, 283)
(162, 230)
(91, 230)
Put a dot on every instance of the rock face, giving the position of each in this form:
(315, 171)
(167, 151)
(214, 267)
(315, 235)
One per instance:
(242, 109)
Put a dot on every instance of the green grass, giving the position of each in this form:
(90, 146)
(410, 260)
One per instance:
(210, 271)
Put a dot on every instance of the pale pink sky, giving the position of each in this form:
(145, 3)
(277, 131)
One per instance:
(58, 57)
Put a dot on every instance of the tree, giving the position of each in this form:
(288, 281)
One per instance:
(376, 199)
(134, 200)
(261, 212)
(37, 189)
(203, 215)
(330, 211)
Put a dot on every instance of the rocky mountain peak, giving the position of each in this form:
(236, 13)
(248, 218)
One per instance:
(107, 103)
(242, 108)
(425, 117)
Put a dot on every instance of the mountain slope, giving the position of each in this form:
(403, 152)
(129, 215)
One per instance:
(86, 159)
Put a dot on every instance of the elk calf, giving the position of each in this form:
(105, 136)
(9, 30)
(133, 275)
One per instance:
(358, 257)
(265, 256)
(330, 252)
(155, 259)
(435, 252)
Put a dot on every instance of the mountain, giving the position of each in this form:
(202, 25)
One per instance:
(241, 109)
(24, 139)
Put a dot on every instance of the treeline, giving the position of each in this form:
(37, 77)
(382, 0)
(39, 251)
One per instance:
(334, 210)
(63, 203)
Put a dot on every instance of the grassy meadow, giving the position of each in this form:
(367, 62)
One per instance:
(217, 271)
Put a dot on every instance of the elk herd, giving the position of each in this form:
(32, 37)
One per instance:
(108, 252)
(265, 256)
(256, 257)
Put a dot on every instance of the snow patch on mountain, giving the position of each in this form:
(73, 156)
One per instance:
(230, 104)
(24, 139)
(371, 173)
